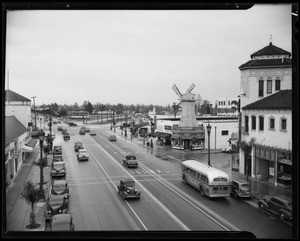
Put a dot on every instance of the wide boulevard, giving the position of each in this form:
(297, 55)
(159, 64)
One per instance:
(166, 203)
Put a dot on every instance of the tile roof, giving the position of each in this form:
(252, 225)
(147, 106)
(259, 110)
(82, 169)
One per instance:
(270, 50)
(13, 96)
(13, 129)
(262, 63)
(279, 100)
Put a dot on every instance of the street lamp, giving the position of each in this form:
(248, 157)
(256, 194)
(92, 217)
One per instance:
(208, 128)
(41, 138)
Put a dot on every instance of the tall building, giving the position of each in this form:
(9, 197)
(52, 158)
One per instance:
(265, 100)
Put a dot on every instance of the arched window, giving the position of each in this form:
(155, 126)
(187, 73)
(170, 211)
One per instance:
(261, 123)
(261, 87)
(253, 121)
(246, 123)
(269, 86)
(272, 123)
(277, 84)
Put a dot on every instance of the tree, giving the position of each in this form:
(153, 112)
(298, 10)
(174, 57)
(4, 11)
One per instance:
(175, 108)
(31, 195)
(246, 147)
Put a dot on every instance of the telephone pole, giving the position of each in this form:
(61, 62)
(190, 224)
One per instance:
(34, 110)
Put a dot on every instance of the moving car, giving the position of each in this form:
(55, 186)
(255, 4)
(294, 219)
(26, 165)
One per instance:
(59, 128)
(112, 138)
(240, 188)
(82, 155)
(58, 169)
(130, 161)
(92, 133)
(72, 124)
(62, 222)
(82, 132)
(87, 129)
(57, 150)
(278, 204)
(78, 145)
(60, 187)
(67, 136)
(64, 131)
(127, 189)
(56, 204)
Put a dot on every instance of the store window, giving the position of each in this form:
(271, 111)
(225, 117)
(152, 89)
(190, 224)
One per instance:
(225, 133)
(261, 123)
(283, 124)
(253, 122)
(272, 123)
(269, 86)
(261, 87)
(277, 84)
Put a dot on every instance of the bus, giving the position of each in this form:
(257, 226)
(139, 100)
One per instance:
(79, 114)
(210, 181)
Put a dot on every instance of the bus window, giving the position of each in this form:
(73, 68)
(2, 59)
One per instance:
(223, 179)
(217, 179)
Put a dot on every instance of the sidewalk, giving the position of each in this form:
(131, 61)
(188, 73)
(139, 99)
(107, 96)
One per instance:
(259, 188)
(17, 209)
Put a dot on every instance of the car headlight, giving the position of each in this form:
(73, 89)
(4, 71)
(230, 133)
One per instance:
(128, 191)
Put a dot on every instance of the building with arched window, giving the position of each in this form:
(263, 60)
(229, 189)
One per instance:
(266, 110)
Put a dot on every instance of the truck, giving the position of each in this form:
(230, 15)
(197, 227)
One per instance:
(127, 189)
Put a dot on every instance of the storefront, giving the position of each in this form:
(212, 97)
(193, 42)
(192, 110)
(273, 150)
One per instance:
(284, 168)
(265, 163)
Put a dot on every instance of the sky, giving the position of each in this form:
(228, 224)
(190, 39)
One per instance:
(136, 56)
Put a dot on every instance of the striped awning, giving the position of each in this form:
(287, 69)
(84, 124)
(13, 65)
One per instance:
(31, 143)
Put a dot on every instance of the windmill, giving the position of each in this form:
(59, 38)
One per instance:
(187, 102)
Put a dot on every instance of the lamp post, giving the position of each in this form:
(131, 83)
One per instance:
(41, 138)
(34, 111)
(208, 128)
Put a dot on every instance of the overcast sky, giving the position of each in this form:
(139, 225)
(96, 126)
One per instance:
(136, 56)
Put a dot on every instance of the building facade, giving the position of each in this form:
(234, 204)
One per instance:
(263, 81)
(227, 107)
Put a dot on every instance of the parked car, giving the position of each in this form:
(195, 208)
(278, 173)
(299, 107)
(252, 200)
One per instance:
(58, 122)
(78, 145)
(58, 169)
(72, 124)
(56, 204)
(54, 122)
(127, 189)
(92, 133)
(130, 161)
(240, 188)
(66, 136)
(62, 222)
(57, 158)
(57, 150)
(60, 187)
(112, 138)
(82, 155)
(82, 132)
(227, 149)
(59, 128)
(278, 204)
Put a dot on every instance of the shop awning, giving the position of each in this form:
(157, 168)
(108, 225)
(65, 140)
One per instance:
(27, 149)
(31, 143)
(162, 135)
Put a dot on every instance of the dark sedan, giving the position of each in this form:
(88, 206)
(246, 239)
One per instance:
(60, 187)
(56, 204)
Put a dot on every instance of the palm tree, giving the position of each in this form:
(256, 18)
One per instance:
(246, 148)
(31, 195)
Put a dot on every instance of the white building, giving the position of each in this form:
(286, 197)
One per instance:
(227, 107)
(266, 114)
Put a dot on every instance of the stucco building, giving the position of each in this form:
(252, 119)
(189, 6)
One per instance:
(266, 115)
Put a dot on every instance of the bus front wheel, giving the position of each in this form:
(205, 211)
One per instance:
(201, 191)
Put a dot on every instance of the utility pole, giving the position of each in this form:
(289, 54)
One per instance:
(34, 110)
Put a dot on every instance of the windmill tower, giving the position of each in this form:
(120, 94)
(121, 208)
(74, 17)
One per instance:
(188, 134)
(187, 103)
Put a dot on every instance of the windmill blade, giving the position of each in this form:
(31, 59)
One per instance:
(176, 90)
(191, 88)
